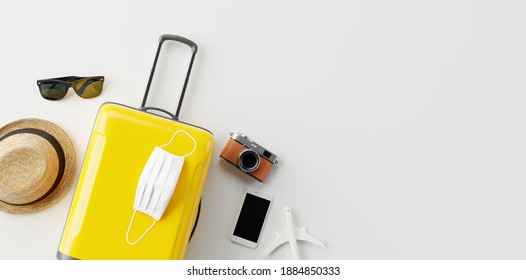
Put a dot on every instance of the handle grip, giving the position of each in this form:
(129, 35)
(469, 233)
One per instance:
(170, 37)
(193, 47)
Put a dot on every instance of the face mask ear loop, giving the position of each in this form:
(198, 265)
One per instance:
(128, 231)
(191, 137)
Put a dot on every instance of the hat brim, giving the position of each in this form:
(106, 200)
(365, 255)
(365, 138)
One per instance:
(69, 169)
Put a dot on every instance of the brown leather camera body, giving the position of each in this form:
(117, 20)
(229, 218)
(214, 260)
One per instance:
(231, 153)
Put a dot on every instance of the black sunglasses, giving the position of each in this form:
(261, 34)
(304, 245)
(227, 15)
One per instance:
(85, 87)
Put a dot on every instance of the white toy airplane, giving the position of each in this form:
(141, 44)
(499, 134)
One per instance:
(291, 234)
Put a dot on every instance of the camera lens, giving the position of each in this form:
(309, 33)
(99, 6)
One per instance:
(248, 160)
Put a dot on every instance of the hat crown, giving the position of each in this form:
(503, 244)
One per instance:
(28, 168)
(35, 144)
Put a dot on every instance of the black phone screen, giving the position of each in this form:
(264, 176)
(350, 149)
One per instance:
(251, 217)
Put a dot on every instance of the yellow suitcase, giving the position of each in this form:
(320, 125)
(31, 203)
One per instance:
(121, 142)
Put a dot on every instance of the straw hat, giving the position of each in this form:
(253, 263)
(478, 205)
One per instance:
(37, 165)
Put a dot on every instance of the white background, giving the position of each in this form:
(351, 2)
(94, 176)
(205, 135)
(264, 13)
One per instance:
(399, 125)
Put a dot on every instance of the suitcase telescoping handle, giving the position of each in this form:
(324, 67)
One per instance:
(162, 39)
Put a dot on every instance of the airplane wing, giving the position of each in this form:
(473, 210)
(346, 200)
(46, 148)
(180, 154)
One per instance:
(280, 239)
(301, 234)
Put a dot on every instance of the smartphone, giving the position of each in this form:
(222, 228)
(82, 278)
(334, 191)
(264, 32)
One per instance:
(252, 217)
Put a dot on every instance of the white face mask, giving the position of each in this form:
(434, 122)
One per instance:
(157, 183)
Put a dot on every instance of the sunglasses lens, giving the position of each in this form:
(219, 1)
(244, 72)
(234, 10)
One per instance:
(53, 91)
(88, 88)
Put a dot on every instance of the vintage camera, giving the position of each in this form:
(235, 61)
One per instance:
(248, 156)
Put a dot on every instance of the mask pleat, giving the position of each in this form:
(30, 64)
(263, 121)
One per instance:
(150, 184)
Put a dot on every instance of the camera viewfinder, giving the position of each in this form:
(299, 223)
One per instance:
(267, 154)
